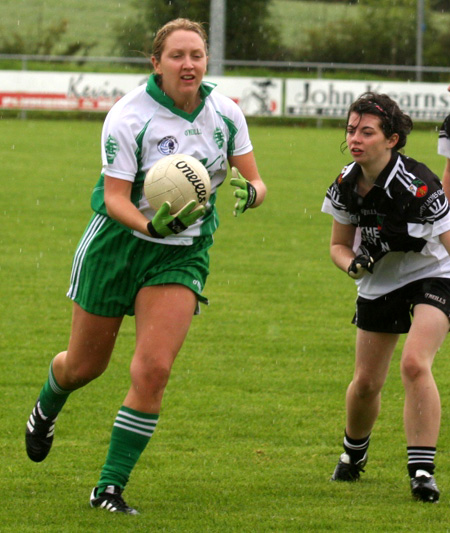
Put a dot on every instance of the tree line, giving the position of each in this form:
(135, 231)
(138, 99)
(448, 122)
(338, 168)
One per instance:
(380, 32)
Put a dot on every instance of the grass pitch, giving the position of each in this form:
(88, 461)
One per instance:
(253, 415)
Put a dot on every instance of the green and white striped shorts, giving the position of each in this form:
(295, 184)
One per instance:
(111, 265)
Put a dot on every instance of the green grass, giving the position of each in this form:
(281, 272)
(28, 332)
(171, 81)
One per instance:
(253, 415)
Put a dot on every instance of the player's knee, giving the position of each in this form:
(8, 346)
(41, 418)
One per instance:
(152, 375)
(366, 386)
(412, 367)
(82, 375)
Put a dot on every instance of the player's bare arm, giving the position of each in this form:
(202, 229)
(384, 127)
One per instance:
(119, 206)
(341, 244)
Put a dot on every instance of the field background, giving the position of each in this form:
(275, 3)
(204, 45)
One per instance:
(95, 22)
(103, 15)
(253, 416)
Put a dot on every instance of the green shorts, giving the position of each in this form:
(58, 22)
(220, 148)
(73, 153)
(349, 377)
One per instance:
(111, 265)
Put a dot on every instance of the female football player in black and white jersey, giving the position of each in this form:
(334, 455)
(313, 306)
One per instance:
(444, 149)
(391, 233)
(132, 260)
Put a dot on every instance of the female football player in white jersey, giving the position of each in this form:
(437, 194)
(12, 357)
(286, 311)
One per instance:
(132, 260)
(444, 149)
(391, 233)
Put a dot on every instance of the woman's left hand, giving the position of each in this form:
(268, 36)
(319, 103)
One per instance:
(245, 192)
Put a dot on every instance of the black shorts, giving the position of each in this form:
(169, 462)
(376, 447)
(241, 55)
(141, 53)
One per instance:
(392, 312)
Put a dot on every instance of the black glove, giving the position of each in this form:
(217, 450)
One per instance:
(360, 265)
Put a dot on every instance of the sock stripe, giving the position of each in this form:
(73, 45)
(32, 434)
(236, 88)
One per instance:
(143, 416)
(133, 430)
(355, 447)
(421, 455)
(54, 384)
(416, 451)
(150, 425)
(136, 424)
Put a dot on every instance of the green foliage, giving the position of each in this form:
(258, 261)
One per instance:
(440, 5)
(369, 36)
(249, 31)
(281, 29)
(437, 5)
(42, 41)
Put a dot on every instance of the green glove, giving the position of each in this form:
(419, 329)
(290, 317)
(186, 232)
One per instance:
(245, 192)
(164, 224)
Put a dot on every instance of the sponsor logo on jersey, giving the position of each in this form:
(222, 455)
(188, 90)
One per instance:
(370, 235)
(111, 149)
(168, 145)
(195, 131)
(435, 298)
(342, 174)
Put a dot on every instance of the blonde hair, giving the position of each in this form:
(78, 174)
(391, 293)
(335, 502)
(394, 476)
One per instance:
(170, 27)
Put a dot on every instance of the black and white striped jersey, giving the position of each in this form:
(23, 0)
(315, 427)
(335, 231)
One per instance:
(399, 222)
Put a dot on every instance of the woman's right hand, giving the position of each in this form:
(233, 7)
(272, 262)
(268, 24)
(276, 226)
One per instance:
(164, 224)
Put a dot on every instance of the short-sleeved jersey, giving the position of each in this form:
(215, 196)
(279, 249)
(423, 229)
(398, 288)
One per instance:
(399, 220)
(144, 126)
(444, 138)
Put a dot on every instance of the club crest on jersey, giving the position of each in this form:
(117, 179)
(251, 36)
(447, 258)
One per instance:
(219, 137)
(380, 220)
(168, 145)
(111, 149)
(341, 175)
(418, 188)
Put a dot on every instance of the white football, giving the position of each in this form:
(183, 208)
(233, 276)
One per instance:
(178, 179)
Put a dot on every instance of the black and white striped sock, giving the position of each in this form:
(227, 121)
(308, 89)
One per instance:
(356, 448)
(420, 458)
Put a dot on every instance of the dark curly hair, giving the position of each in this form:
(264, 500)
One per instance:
(393, 120)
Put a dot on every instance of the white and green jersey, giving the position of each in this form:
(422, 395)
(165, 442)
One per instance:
(144, 126)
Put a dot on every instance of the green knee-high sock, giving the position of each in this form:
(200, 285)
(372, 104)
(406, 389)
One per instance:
(130, 435)
(52, 397)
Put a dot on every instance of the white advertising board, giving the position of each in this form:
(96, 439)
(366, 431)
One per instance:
(66, 91)
(331, 98)
(255, 96)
